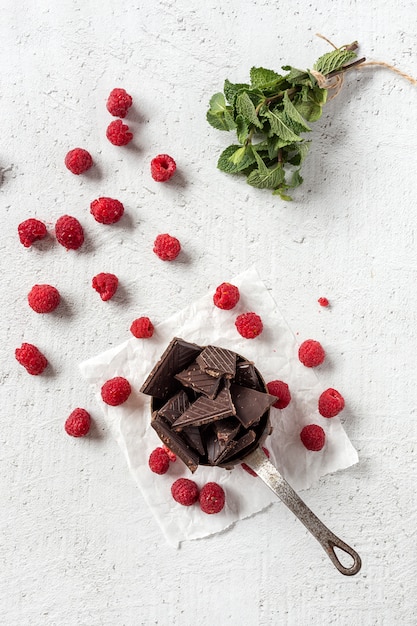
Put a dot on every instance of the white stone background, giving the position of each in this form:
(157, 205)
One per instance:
(78, 544)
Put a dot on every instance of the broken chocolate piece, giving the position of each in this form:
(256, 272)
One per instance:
(175, 406)
(204, 410)
(175, 442)
(199, 381)
(246, 376)
(241, 444)
(250, 404)
(226, 429)
(217, 362)
(161, 382)
(218, 449)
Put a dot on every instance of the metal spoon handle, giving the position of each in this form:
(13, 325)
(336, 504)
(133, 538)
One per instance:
(328, 540)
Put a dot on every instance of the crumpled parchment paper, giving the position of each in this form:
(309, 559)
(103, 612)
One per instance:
(275, 354)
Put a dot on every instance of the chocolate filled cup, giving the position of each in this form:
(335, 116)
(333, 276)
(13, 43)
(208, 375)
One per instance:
(211, 406)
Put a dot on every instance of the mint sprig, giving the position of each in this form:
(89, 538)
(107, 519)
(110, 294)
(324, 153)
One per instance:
(270, 115)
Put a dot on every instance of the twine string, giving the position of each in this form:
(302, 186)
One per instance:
(336, 81)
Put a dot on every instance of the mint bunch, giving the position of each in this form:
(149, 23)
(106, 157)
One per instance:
(270, 115)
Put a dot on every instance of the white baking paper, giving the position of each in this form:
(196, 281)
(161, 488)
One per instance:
(275, 354)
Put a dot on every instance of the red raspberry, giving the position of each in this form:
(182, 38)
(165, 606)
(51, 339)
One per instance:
(331, 402)
(119, 102)
(118, 133)
(249, 325)
(31, 230)
(166, 247)
(184, 491)
(212, 498)
(43, 298)
(142, 328)
(311, 353)
(172, 457)
(106, 210)
(281, 390)
(78, 161)
(226, 296)
(323, 302)
(78, 423)
(159, 461)
(69, 232)
(31, 358)
(116, 391)
(163, 168)
(248, 469)
(313, 437)
(105, 285)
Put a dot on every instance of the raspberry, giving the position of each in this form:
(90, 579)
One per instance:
(118, 133)
(69, 232)
(118, 102)
(159, 461)
(31, 230)
(116, 391)
(249, 325)
(311, 353)
(31, 358)
(323, 302)
(184, 491)
(226, 296)
(106, 210)
(166, 247)
(248, 469)
(78, 161)
(105, 285)
(281, 390)
(78, 423)
(172, 457)
(331, 402)
(163, 168)
(313, 437)
(211, 498)
(142, 328)
(43, 298)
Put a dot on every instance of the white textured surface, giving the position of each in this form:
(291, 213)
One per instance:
(78, 544)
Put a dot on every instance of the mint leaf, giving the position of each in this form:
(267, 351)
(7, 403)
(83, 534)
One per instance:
(281, 126)
(267, 178)
(219, 114)
(333, 61)
(217, 104)
(264, 79)
(281, 193)
(232, 89)
(297, 121)
(242, 128)
(297, 77)
(235, 159)
(246, 108)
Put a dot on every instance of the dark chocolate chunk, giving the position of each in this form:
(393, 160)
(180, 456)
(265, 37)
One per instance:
(250, 404)
(246, 376)
(175, 442)
(217, 449)
(161, 382)
(217, 362)
(193, 435)
(175, 406)
(199, 381)
(204, 410)
(226, 429)
(241, 445)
